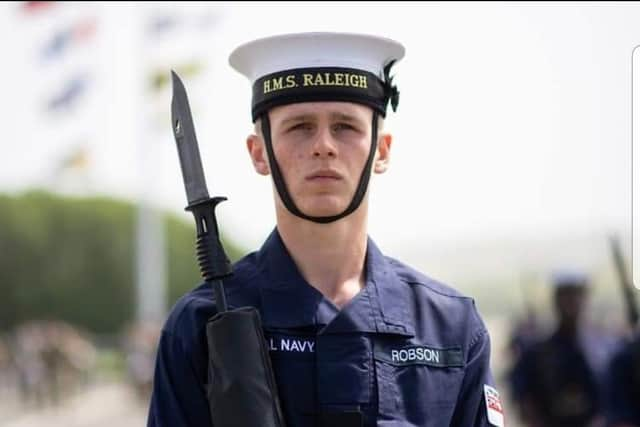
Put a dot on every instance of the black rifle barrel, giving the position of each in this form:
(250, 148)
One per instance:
(625, 283)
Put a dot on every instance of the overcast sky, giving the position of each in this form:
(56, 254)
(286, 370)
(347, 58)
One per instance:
(514, 119)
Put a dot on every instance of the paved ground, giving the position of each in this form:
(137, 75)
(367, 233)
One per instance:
(106, 405)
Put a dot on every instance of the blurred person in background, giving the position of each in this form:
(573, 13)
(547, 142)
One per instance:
(140, 347)
(29, 347)
(558, 381)
(525, 332)
(53, 360)
(623, 386)
(526, 327)
(6, 367)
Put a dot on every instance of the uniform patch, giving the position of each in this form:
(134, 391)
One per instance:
(495, 414)
(291, 345)
(420, 355)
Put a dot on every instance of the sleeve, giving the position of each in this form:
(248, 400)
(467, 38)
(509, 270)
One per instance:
(619, 404)
(478, 403)
(522, 389)
(519, 376)
(179, 396)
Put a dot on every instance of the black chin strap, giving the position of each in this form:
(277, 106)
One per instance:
(281, 186)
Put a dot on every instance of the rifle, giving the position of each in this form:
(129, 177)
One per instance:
(242, 389)
(625, 283)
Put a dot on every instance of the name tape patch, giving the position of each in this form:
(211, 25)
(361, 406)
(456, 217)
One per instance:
(421, 355)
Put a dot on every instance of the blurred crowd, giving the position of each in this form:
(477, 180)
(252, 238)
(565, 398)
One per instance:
(574, 374)
(43, 363)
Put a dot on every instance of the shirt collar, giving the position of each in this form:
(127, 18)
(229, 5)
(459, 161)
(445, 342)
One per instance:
(288, 301)
(391, 296)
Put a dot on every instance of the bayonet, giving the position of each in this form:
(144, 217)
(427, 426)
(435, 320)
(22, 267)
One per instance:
(185, 135)
(214, 264)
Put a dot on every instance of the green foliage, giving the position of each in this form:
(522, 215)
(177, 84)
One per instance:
(73, 259)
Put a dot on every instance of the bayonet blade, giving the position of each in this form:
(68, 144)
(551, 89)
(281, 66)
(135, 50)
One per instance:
(185, 136)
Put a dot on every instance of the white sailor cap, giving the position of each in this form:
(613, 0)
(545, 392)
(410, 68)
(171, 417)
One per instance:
(569, 278)
(308, 67)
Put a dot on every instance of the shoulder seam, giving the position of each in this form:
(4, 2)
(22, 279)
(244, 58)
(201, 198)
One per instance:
(181, 313)
(479, 334)
(432, 289)
(415, 277)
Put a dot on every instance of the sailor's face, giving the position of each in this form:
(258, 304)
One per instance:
(570, 303)
(321, 148)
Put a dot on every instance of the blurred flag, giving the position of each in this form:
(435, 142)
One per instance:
(69, 94)
(71, 172)
(161, 24)
(60, 41)
(36, 6)
(84, 29)
(159, 78)
(207, 20)
(56, 44)
(77, 159)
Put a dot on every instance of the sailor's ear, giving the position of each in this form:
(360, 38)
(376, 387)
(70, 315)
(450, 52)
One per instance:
(258, 154)
(383, 153)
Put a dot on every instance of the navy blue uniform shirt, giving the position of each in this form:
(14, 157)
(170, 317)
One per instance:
(405, 351)
(623, 402)
(555, 379)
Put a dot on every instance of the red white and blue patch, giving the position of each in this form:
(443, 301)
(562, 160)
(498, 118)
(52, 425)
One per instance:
(495, 415)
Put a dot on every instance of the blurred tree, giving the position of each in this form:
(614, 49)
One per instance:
(72, 259)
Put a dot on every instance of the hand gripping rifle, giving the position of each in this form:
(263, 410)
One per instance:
(242, 389)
